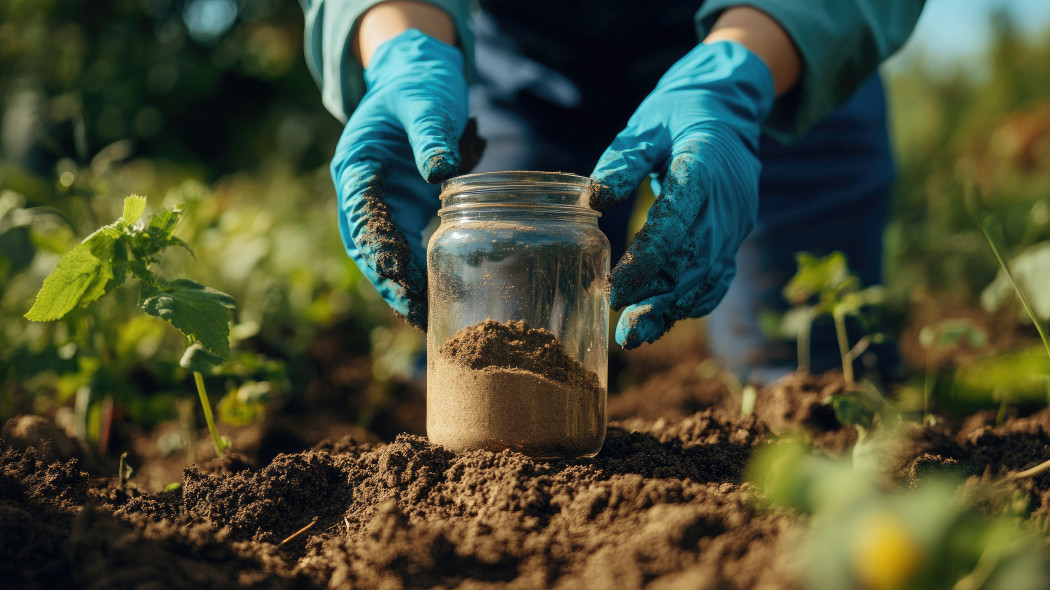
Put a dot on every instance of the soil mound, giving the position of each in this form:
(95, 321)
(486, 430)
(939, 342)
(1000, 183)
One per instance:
(662, 506)
(515, 345)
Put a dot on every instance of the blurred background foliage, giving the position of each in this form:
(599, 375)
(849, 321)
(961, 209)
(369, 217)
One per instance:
(203, 102)
(218, 86)
(209, 102)
(972, 141)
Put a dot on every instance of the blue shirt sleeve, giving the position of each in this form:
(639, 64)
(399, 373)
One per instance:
(841, 42)
(329, 27)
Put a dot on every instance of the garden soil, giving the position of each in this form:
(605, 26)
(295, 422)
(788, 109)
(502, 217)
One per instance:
(662, 506)
(505, 385)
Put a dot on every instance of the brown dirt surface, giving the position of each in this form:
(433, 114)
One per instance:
(663, 505)
(663, 501)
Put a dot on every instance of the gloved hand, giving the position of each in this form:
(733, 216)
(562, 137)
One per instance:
(699, 131)
(415, 109)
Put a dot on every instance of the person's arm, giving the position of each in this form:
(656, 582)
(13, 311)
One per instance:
(386, 20)
(335, 41)
(699, 131)
(765, 38)
(840, 43)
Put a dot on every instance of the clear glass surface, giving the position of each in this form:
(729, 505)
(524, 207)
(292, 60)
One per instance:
(519, 246)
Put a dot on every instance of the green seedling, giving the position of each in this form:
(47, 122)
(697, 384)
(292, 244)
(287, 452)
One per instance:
(825, 286)
(746, 394)
(124, 471)
(942, 338)
(872, 415)
(103, 261)
(1030, 310)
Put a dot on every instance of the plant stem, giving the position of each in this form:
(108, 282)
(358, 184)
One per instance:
(1032, 472)
(840, 333)
(1017, 287)
(927, 388)
(803, 345)
(203, 393)
(983, 570)
(121, 470)
(863, 345)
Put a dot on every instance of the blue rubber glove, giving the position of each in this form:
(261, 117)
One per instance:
(415, 110)
(698, 130)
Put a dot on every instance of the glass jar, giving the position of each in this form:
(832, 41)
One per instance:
(517, 342)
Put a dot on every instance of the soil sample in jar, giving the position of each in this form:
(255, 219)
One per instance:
(504, 385)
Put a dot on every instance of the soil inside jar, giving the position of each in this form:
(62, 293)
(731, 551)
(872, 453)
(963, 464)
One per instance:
(505, 385)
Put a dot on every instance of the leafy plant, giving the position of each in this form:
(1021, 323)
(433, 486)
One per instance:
(1036, 261)
(129, 246)
(862, 534)
(825, 286)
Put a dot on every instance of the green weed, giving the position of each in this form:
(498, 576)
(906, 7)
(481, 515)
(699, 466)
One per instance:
(825, 286)
(103, 262)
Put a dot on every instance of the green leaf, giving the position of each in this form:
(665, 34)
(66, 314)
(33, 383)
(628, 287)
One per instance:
(1030, 269)
(1018, 376)
(815, 275)
(178, 242)
(162, 224)
(146, 242)
(244, 406)
(855, 408)
(198, 360)
(118, 263)
(796, 321)
(82, 275)
(134, 205)
(950, 334)
(200, 312)
(172, 487)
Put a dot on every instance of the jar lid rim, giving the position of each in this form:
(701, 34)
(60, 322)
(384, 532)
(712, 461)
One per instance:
(518, 188)
(525, 178)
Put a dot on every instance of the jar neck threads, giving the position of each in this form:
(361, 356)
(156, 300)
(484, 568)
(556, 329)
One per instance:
(509, 193)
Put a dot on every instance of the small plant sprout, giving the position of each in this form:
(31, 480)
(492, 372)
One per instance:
(124, 471)
(103, 261)
(866, 410)
(939, 339)
(825, 286)
(1031, 311)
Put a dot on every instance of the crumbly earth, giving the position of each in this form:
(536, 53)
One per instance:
(662, 506)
